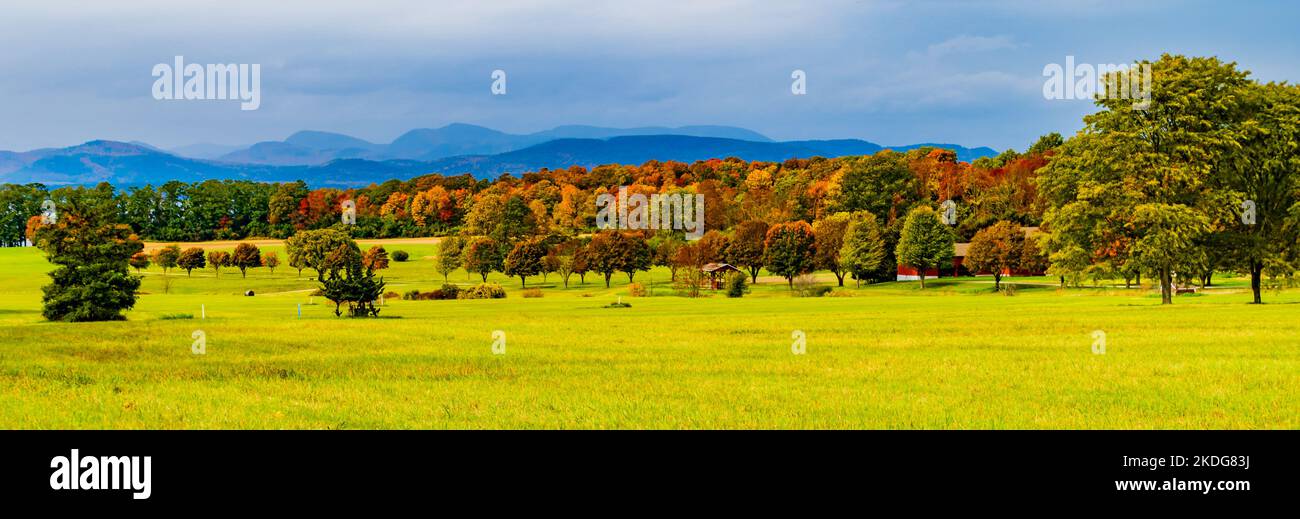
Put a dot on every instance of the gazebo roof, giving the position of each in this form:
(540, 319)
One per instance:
(716, 267)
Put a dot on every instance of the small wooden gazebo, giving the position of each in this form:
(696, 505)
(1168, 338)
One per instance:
(716, 272)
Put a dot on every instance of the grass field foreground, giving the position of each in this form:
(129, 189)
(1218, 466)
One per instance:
(956, 355)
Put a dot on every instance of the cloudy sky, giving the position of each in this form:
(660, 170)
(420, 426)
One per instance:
(893, 72)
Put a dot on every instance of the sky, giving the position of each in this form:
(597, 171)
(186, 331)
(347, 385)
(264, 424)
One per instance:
(892, 72)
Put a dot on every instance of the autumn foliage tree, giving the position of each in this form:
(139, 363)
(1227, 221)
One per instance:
(375, 258)
(483, 256)
(829, 236)
(218, 259)
(271, 260)
(996, 249)
(747, 247)
(139, 260)
(167, 257)
(246, 256)
(603, 255)
(524, 260)
(190, 259)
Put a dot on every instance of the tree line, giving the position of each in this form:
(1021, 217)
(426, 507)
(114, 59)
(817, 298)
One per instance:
(1203, 178)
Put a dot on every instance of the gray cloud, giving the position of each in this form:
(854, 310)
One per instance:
(893, 72)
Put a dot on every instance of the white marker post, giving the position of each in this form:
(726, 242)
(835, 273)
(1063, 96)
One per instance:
(300, 310)
(203, 311)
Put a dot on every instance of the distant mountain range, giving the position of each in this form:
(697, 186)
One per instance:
(312, 148)
(324, 158)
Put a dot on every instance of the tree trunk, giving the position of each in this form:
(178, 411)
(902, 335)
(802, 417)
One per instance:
(484, 274)
(523, 282)
(753, 274)
(839, 276)
(922, 272)
(607, 276)
(997, 281)
(1166, 286)
(1256, 273)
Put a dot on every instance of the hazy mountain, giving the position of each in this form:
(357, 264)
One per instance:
(122, 163)
(205, 150)
(428, 144)
(127, 164)
(328, 141)
(562, 153)
(575, 131)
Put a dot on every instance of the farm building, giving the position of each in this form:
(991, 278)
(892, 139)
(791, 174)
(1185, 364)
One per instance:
(909, 273)
(717, 273)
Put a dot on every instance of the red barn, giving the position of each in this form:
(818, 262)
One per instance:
(908, 273)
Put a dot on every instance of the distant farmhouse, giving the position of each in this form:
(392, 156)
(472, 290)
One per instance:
(959, 252)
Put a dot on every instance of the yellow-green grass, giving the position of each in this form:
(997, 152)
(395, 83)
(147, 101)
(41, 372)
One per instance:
(955, 355)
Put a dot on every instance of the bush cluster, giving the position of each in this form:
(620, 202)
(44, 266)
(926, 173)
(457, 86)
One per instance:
(484, 291)
(446, 292)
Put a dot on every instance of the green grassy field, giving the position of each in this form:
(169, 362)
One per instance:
(955, 355)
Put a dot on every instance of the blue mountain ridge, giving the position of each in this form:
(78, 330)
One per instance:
(128, 164)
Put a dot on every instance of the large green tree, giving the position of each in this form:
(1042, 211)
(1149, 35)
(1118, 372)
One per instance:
(319, 250)
(791, 250)
(91, 250)
(449, 255)
(926, 243)
(1139, 173)
(1264, 176)
(863, 250)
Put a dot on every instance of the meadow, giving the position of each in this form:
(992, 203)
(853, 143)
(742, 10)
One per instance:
(953, 356)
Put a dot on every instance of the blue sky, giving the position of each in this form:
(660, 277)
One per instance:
(966, 72)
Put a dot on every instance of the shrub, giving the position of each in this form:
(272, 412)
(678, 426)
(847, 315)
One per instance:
(483, 291)
(736, 285)
(448, 291)
(392, 295)
(411, 295)
(806, 286)
(400, 256)
(532, 293)
(636, 290)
